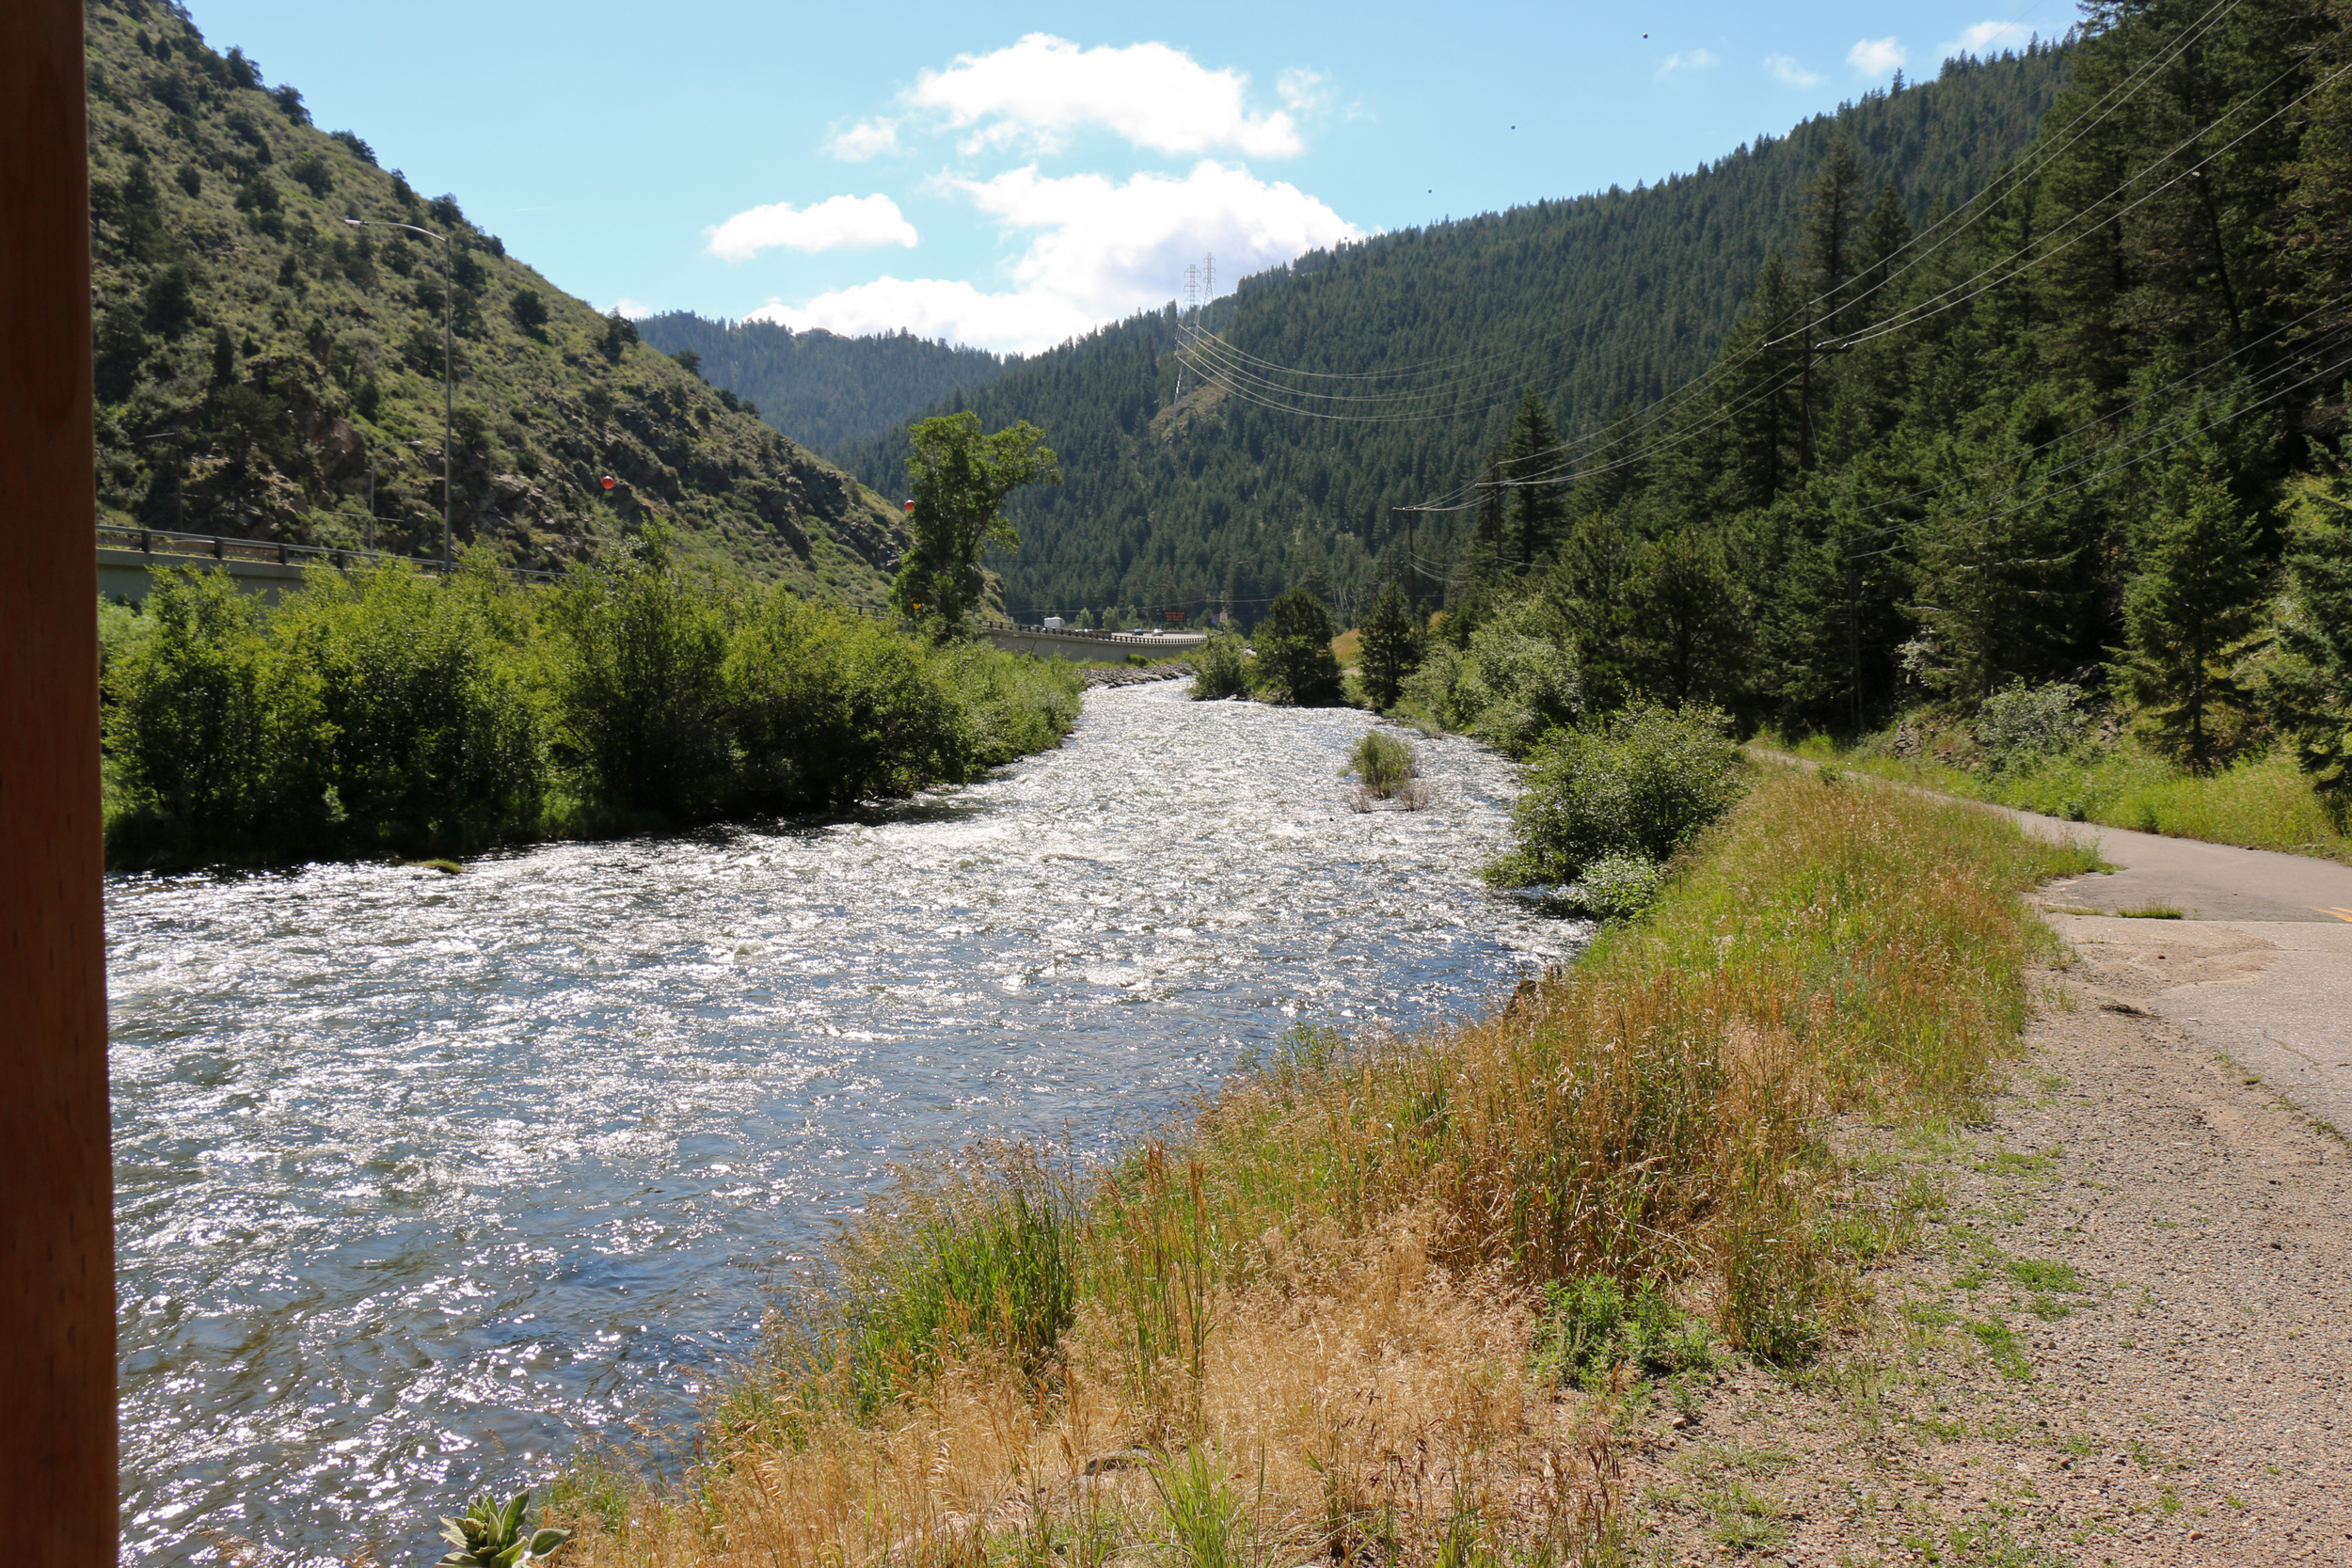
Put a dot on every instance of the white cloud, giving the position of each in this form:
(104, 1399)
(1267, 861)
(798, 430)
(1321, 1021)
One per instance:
(1113, 247)
(867, 139)
(1788, 73)
(632, 309)
(1695, 59)
(836, 223)
(1877, 57)
(1103, 249)
(1987, 37)
(1041, 91)
(1303, 91)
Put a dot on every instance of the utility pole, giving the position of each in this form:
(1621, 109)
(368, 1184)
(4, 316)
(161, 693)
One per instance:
(59, 1465)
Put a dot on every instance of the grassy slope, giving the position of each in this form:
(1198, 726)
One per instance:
(242, 204)
(1305, 1324)
(2263, 802)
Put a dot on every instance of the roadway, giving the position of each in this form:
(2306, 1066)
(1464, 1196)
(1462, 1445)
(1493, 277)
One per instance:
(2258, 967)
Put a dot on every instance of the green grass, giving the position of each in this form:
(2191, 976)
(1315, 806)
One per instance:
(1385, 764)
(2261, 801)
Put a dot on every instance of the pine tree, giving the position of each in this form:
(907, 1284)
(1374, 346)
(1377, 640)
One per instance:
(2188, 618)
(2314, 691)
(1293, 642)
(1538, 507)
(1687, 630)
(1392, 647)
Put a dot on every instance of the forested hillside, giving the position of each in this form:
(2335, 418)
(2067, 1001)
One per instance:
(263, 367)
(1209, 499)
(2088, 435)
(819, 386)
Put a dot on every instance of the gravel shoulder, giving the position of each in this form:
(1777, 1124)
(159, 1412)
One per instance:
(2121, 1333)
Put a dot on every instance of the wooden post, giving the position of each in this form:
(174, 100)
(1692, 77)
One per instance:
(57, 1476)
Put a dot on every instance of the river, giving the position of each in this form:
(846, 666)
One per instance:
(420, 1178)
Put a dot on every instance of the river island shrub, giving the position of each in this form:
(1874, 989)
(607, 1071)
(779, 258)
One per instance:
(640, 701)
(1643, 783)
(213, 727)
(1385, 764)
(829, 710)
(429, 728)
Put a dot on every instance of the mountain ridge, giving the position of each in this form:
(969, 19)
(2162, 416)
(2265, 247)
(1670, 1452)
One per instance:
(264, 369)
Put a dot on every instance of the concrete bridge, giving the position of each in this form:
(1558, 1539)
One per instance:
(1093, 646)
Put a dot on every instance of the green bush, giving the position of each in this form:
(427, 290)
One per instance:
(2021, 725)
(431, 735)
(828, 710)
(1223, 669)
(385, 710)
(1619, 887)
(1591, 1326)
(1384, 763)
(213, 730)
(1012, 705)
(1518, 681)
(1643, 784)
(640, 694)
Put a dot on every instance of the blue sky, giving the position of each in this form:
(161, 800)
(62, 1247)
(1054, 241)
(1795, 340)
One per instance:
(1010, 177)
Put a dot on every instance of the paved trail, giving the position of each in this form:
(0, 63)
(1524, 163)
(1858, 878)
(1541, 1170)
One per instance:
(2259, 967)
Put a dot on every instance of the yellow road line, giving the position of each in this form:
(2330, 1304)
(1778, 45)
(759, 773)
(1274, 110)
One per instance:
(2340, 914)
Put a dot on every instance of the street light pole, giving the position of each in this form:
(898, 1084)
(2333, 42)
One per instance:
(448, 361)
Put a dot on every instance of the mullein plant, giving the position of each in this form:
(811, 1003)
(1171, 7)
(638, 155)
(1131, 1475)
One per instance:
(491, 1537)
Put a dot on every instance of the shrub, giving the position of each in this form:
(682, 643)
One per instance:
(1642, 785)
(1384, 763)
(1518, 681)
(2021, 725)
(1012, 705)
(1591, 1326)
(639, 691)
(829, 711)
(1619, 887)
(430, 734)
(1222, 669)
(213, 730)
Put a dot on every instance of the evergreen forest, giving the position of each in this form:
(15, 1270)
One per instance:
(2081, 435)
(267, 369)
(1184, 489)
(819, 386)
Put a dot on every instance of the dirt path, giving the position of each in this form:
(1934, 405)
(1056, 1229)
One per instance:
(2123, 1332)
(2124, 1338)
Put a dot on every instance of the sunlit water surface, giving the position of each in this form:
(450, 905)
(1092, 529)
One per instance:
(422, 1178)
